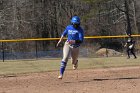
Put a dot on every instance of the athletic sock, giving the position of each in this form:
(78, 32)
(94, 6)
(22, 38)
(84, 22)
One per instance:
(62, 68)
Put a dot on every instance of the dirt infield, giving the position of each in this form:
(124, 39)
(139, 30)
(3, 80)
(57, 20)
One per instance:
(110, 80)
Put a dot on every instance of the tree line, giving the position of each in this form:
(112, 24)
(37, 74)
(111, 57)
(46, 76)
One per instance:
(47, 19)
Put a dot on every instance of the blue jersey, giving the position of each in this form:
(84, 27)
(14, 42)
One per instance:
(73, 33)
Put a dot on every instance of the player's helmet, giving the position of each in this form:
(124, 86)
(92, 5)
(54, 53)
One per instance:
(75, 20)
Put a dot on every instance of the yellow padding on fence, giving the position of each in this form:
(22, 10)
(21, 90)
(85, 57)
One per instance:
(88, 37)
(119, 36)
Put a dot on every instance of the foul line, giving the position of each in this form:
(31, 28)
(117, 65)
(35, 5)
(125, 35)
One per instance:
(45, 39)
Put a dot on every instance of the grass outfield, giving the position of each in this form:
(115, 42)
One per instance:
(42, 65)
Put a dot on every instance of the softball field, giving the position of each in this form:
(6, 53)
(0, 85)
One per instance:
(94, 75)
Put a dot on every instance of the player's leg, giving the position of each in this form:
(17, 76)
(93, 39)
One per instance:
(132, 51)
(128, 54)
(74, 57)
(66, 52)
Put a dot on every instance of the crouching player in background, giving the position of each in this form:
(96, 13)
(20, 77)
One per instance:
(75, 36)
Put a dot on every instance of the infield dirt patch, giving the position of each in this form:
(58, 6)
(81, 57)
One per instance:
(110, 80)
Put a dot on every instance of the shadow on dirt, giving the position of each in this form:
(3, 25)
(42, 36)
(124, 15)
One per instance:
(104, 79)
(107, 79)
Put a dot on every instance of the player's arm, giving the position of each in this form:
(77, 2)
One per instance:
(125, 45)
(62, 36)
(60, 40)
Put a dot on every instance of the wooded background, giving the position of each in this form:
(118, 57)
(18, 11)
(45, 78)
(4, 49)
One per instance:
(48, 18)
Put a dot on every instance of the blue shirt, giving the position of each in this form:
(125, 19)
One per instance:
(73, 33)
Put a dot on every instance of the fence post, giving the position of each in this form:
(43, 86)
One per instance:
(36, 50)
(2, 52)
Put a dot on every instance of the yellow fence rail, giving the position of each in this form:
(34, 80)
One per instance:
(88, 37)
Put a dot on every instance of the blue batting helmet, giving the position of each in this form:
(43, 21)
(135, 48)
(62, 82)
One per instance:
(75, 20)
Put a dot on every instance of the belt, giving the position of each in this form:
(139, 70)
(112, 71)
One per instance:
(74, 46)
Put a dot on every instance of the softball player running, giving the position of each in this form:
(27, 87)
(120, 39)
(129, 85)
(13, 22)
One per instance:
(75, 36)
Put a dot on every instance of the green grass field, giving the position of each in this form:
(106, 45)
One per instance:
(42, 65)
